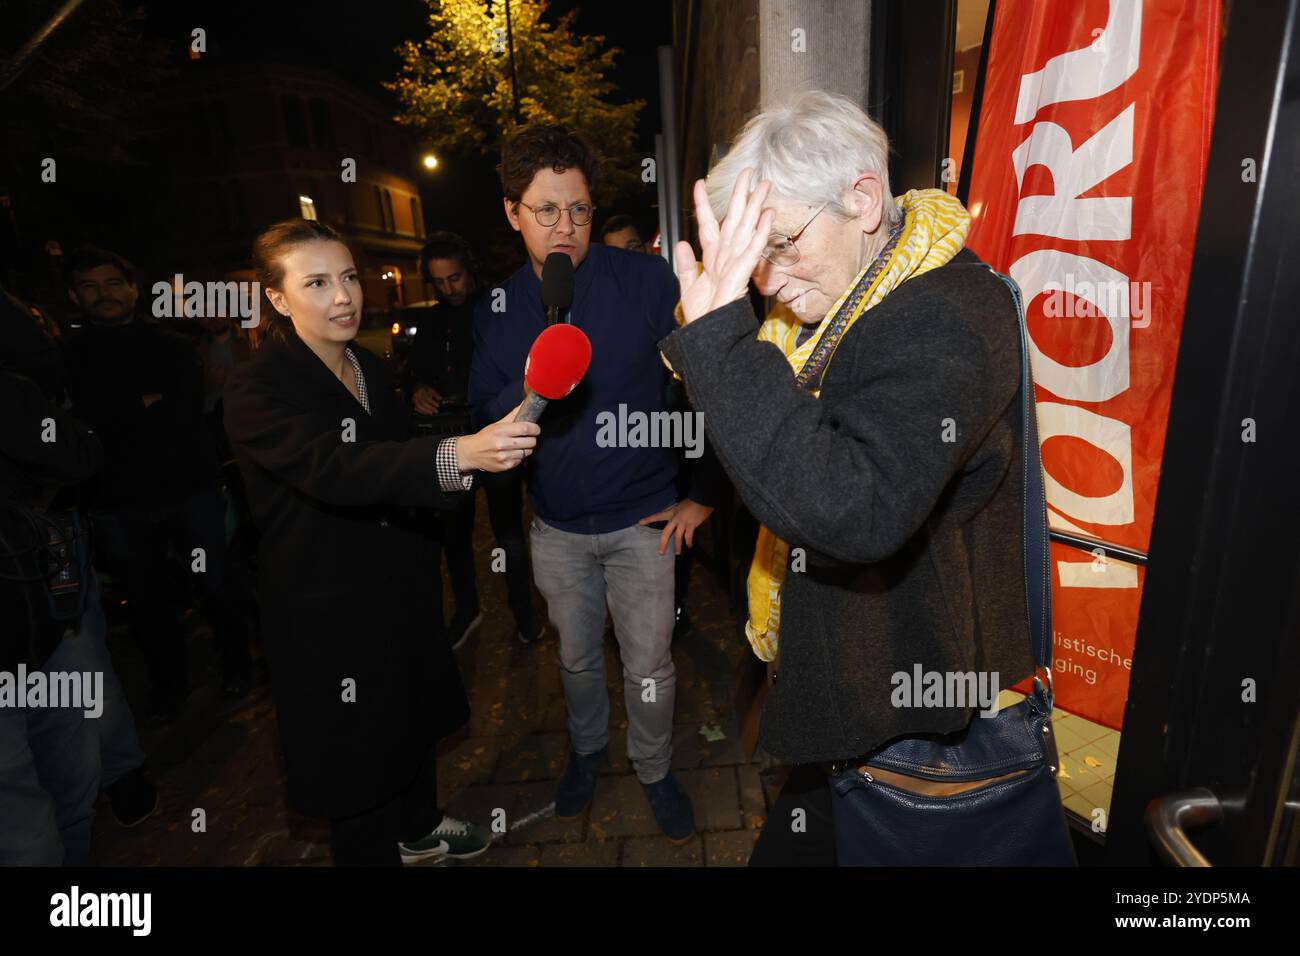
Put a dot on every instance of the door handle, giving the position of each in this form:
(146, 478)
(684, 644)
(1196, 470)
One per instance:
(1168, 817)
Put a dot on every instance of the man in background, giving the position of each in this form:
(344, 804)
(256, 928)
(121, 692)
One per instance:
(54, 759)
(140, 387)
(438, 384)
(621, 232)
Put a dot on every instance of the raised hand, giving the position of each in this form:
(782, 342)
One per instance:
(730, 250)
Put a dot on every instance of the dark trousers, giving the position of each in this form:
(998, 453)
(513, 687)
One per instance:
(794, 838)
(504, 492)
(371, 838)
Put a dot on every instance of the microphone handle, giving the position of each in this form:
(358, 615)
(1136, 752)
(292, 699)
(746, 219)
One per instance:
(534, 405)
(552, 314)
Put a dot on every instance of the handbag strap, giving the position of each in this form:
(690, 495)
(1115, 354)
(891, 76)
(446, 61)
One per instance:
(1038, 570)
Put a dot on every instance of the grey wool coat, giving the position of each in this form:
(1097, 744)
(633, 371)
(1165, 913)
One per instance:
(910, 524)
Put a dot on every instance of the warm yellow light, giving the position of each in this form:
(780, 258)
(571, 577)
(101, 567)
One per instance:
(430, 161)
(397, 328)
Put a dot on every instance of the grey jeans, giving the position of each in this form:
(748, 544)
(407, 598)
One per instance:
(578, 574)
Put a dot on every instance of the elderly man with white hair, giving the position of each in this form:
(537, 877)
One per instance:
(871, 427)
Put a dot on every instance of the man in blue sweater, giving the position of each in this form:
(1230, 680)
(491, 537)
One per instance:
(602, 483)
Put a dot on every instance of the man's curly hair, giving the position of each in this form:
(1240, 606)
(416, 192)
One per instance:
(543, 147)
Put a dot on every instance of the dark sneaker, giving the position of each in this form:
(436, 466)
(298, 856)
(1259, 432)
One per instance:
(530, 632)
(672, 809)
(133, 799)
(452, 839)
(578, 785)
(461, 628)
(681, 624)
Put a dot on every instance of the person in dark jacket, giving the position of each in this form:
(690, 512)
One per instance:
(49, 755)
(438, 383)
(599, 484)
(54, 759)
(870, 425)
(222, 347)
(362, 675)
(140, 386)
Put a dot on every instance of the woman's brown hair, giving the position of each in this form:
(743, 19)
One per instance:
(269, 249)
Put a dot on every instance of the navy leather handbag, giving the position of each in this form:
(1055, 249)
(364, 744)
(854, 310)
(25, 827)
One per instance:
(1016, 821)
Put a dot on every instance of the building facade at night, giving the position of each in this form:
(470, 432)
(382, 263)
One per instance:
(260, 143)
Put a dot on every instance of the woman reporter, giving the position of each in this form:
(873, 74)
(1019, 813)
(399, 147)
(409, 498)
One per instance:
(363, 679)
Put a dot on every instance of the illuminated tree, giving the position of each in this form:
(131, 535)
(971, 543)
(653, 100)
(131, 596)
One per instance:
(456, 89)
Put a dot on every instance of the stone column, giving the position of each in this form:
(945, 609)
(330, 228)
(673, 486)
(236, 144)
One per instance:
(813, 44)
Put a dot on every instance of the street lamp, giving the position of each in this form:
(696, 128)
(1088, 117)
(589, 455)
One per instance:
(430, 161)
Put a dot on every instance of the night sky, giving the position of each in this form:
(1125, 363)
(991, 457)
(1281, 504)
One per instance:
(359, 40)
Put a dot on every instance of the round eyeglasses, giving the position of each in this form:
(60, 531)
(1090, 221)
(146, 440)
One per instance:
(781, 250)
(548, 214)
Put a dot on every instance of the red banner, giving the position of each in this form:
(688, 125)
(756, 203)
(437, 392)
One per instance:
(1086, 185)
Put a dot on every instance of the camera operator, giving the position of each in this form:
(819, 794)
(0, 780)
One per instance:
(54, 754)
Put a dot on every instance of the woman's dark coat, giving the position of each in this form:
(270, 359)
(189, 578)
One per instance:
(349, 585)
(902, 486)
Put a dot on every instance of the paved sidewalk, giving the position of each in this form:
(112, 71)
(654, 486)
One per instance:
(502, 767)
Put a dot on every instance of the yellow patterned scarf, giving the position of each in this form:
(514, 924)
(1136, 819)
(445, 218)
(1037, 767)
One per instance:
(932, 231)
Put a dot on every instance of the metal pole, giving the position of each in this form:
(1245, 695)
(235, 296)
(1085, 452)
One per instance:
(667, 170)
(665, 247)
(514, 81)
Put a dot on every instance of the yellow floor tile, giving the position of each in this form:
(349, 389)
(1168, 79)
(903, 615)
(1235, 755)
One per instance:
(1108, 744)
(1099, 795)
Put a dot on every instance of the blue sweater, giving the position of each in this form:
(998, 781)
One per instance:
(624, 302)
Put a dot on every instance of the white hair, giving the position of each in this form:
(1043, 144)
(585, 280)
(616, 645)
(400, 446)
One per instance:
(811, 148)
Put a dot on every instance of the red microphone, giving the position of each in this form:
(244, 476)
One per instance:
(556, 364)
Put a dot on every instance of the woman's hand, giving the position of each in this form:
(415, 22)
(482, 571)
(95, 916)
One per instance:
(730, 251)
(499, 447)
